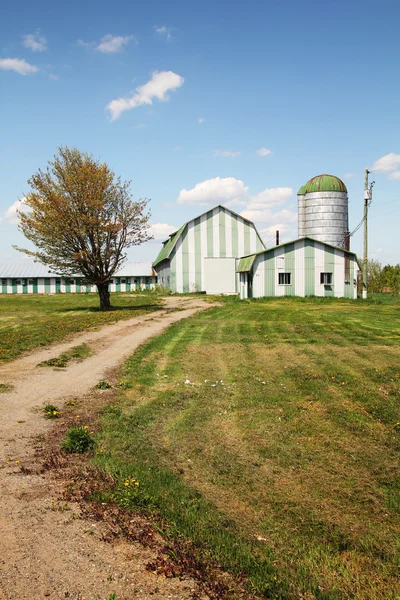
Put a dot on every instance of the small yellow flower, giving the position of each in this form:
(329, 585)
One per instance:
(86, 427)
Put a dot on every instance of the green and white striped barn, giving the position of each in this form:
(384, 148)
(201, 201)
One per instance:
(201, 255)
(305, 267)
(37, 279)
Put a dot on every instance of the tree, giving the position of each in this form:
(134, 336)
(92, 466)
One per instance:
(374, 276)
(82, 218)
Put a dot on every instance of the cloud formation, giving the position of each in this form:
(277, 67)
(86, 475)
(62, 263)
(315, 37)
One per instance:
(218, 190)
(35, 42)
(226, 153)
(11, 214)
(164, 32)
(388, 162)
(394, 175)
(111, 44)
(156, 89)
(200, 120)
(264, 152)
(161, 231)
(18, 65)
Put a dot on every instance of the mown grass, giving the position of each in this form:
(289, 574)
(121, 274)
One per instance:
(27, 322)
(267, 432)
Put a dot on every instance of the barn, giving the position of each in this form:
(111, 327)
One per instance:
(202, 255)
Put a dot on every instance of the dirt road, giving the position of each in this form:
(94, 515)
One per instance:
(48, 550)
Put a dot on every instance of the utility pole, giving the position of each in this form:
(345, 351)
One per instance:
(367, 202)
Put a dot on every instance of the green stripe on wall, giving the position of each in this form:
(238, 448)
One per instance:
(172, 274)
(247, 228)
(235, 236)
(269, 276)
(330, 268)
(309, 268)
(4, 288)
(210, 239)
(290, 268)
(222, 233)
(197, 253)
(185, 261)
(47, 285)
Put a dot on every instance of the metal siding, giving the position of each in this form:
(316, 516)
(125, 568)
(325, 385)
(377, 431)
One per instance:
(228, 235)
(259, 277)
(269, 275)
(215, 231)
(329, 268)
(299, 286)
(198, 257)
(240, 225)
(222, 233)
(179, 266)
(338, 275)
(290, 268)
(309, 268)
(210, 238)
(279, 268)
(185, 259)
(319, 250)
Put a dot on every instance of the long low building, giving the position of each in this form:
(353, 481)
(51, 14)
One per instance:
(37, 279)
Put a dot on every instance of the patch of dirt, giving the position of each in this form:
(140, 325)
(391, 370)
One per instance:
(49, 548)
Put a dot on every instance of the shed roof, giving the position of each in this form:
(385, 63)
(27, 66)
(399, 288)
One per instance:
(247, 261)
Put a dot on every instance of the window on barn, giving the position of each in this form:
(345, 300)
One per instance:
(4, 281)
(18, 282)
(326, 278)
(285, 278)
(31, 282)
(123, 280)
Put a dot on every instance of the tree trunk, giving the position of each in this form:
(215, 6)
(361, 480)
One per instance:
(104, 295)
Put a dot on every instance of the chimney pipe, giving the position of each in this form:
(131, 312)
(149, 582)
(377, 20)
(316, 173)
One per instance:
(277, 237)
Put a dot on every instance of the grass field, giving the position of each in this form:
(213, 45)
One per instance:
(30, 321)
(267, 432)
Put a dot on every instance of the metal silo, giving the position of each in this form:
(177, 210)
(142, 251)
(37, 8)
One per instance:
(323, 210)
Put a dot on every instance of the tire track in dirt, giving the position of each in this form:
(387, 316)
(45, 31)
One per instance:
(46, 551)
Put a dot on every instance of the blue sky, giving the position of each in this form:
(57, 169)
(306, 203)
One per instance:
(200, 103)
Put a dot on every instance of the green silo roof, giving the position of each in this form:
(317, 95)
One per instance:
(323, 183)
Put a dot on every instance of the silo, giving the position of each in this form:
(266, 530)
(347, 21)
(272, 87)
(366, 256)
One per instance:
(323, 210)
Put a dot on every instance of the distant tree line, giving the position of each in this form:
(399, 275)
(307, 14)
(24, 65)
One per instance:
(383, 279)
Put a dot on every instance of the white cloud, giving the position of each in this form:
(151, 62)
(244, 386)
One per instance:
(161, 231)
(200, 120)
(18, 65)
(269, 197)
(394, 175)
(35, 42)
(226, 153)
(164, 32)
(215, 191)
(264, 152)
(350, 175)
(267, 215)
(11, 214)
(157, 88)
(53, 77)
(389, 162)
(111, 44)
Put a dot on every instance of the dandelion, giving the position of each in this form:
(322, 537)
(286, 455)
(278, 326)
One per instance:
(85, 427)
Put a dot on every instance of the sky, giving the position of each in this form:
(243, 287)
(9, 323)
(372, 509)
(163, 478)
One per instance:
(206, 103)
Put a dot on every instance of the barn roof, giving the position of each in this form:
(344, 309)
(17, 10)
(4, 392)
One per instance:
(170, 243)
(34, 270)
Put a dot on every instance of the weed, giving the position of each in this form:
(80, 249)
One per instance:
(111, 410)
(77, 353)
(77, 440)
(104, 385)
(51, 411)
(112, 597)
(4, 388)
